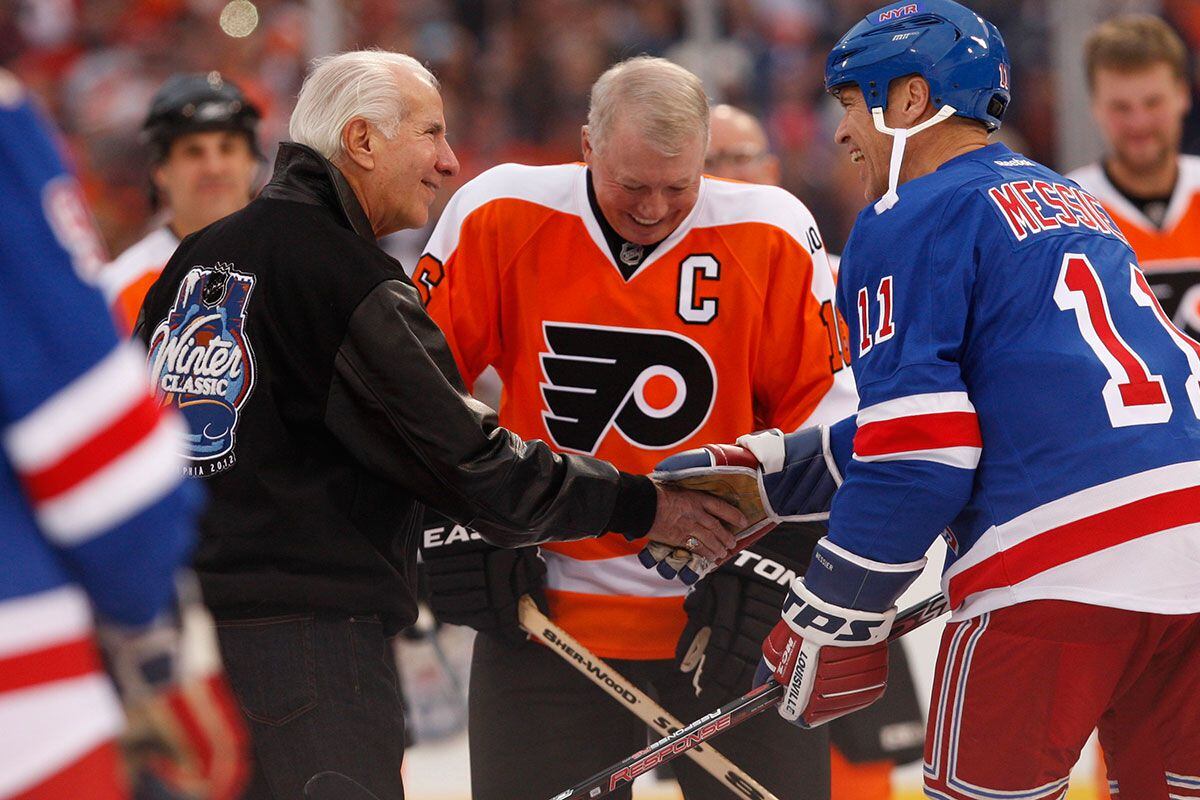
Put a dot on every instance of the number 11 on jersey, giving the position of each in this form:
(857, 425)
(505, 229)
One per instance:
(886, 329)
(1133, 395)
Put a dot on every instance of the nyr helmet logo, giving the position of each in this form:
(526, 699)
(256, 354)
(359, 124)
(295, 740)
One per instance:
(655, 387)
(897, 12)
(202, 363)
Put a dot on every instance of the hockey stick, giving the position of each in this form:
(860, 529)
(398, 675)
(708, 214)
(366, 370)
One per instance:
(540, 627)
(727, 716)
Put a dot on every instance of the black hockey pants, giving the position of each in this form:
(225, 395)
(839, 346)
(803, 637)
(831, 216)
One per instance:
(537, 727)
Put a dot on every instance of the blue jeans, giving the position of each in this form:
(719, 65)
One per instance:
(318, 692)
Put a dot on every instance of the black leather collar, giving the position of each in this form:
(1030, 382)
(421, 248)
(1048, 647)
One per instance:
(305, 176)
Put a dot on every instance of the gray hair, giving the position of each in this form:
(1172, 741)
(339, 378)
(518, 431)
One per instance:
(669, 101)
(360, 83)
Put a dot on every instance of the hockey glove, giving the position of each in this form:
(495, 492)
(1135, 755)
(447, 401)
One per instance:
(830, 649)
(476, 584)
(185, 737)
(733, 609)
(771, 477)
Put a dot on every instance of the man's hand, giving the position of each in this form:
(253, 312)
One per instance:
(689, 524)
(772, 478)
(830, 648)
(185, 736)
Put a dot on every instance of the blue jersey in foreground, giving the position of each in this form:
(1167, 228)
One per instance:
(1021, 393)
(94, 515)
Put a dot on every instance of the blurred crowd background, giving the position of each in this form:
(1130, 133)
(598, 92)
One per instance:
(515, 73)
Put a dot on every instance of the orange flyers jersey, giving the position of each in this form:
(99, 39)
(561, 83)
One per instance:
(127, 279)
(728, 326)
(1170, 255)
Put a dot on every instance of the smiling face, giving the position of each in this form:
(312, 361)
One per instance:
(1141, 114)
(866, 146)
(410, 166)
(643, 193)
(206, 176)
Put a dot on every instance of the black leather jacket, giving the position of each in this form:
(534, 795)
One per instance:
(349, 414)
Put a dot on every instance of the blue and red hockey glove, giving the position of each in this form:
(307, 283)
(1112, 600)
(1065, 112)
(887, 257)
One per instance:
(830, 648)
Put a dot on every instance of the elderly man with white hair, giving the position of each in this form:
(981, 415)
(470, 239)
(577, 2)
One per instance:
(324, 407)
(632, 308)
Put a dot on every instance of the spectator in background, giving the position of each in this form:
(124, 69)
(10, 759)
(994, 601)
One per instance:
(520, 74)
(861, 757)
(738, 148)
(202, 134)
(1137, 75)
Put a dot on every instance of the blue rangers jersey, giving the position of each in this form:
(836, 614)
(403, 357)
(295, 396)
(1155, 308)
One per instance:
(1021, 393)
(95, 515)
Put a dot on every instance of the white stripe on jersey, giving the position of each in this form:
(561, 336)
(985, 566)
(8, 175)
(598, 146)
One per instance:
(80, 410)
(142, 475)
(961, 457)
(1165, 581)
(623, 576)
(44, 619)
(46, 728)
(916, 405)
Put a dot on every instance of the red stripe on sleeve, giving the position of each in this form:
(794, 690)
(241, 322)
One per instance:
(71, 659)
(918, 432)
(104, 447)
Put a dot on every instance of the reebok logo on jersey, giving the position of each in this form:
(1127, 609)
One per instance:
(655, 387)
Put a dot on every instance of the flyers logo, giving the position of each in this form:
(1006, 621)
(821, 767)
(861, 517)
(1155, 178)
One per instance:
(655, 387)
(1187, 316)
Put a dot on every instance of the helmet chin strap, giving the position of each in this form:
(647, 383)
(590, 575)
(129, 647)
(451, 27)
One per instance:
(900, 137)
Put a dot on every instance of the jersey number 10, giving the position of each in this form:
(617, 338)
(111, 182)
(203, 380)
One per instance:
(1133, 395)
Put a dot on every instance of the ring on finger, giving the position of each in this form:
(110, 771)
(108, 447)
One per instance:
(692, 543)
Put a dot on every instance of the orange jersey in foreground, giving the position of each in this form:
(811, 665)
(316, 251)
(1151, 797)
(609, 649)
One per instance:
(1170, 255)
(728, 326)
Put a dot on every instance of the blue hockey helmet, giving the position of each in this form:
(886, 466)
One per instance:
(959, 53)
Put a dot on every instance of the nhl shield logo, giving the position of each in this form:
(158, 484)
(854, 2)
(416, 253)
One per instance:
(201, 362)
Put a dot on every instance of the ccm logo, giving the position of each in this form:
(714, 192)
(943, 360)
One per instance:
(803, 615)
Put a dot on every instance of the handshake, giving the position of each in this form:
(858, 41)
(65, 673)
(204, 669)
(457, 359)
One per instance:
(836, 619)
(767, 477)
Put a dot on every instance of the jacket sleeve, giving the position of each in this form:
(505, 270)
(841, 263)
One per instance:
(397, 401)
